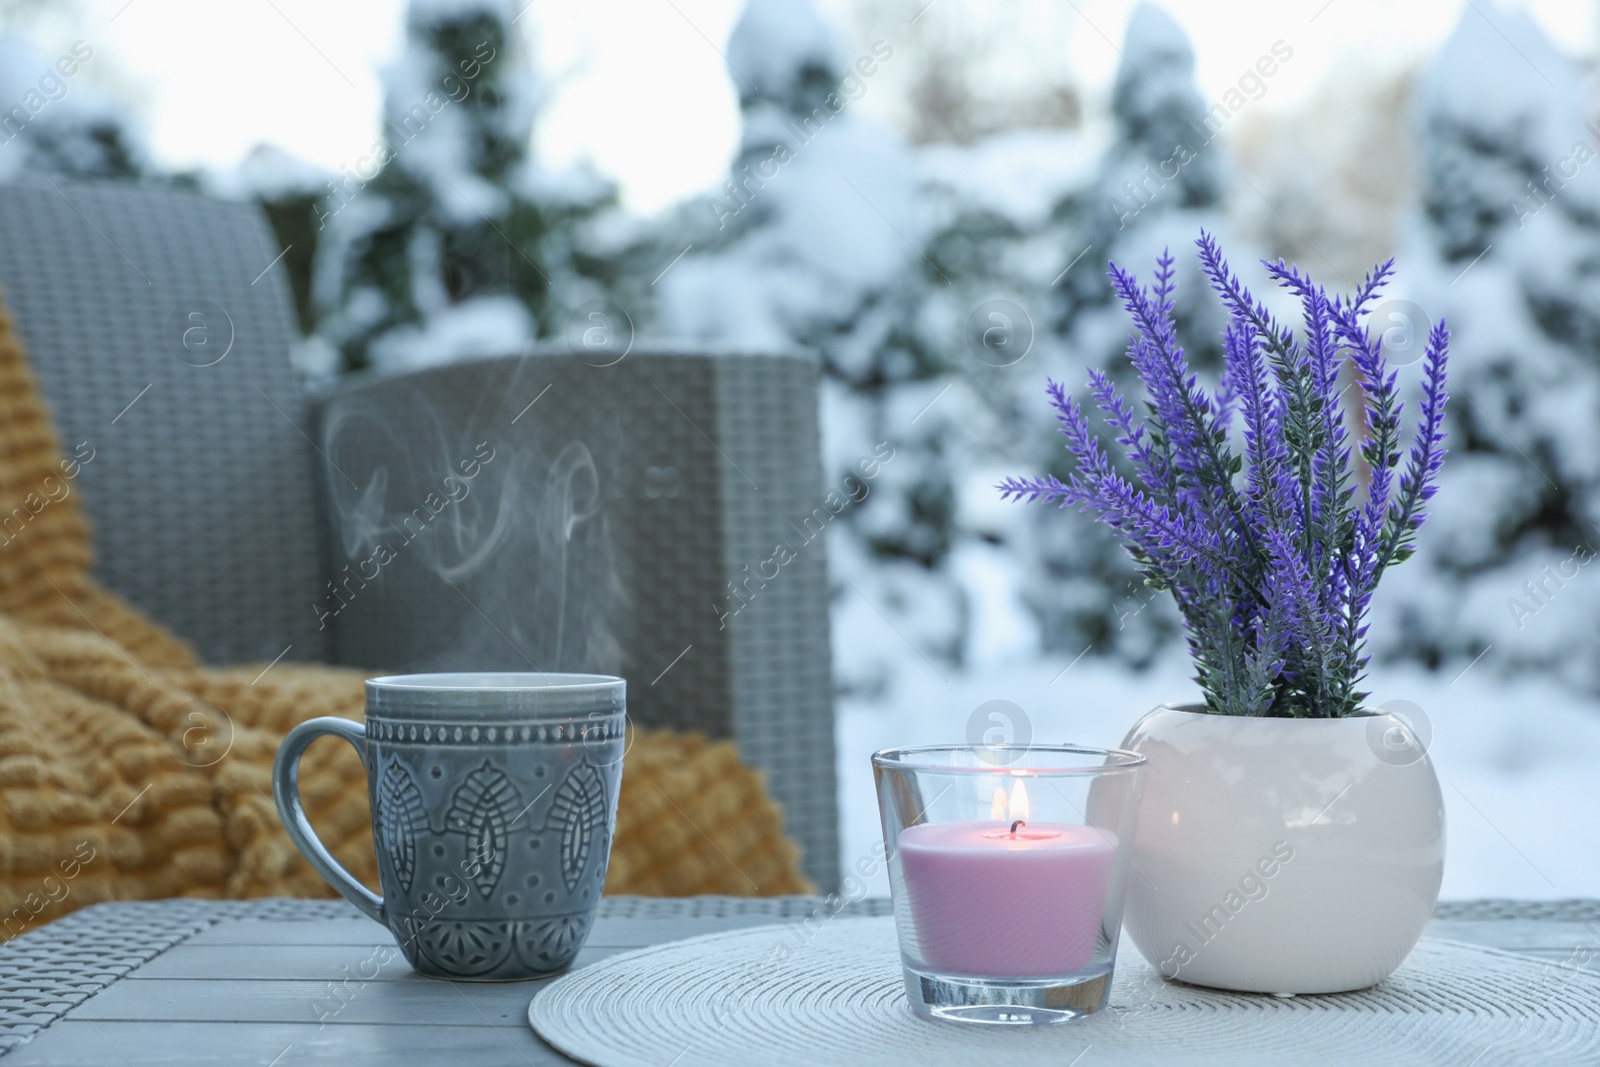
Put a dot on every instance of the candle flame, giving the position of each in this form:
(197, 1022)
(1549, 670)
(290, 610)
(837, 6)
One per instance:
(997, 805)
(1019, 801)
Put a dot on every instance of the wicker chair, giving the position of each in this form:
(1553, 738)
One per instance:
(630, 495)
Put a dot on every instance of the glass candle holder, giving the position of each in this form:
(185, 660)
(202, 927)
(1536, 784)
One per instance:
(1008, 866)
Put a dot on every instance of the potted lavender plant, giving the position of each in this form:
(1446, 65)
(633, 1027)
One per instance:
(1290, 839)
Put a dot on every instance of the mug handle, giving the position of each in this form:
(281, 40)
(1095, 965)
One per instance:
(286, 792)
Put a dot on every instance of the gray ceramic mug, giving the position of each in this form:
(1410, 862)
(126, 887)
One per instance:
(494, 798)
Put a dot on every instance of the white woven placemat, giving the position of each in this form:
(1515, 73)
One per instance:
(830, 993)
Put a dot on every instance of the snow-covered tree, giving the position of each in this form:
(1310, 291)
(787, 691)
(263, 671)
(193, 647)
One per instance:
(834, 236)
(1507, 248)
(940, 285)
(446, 240)
(54, 122)
(808, 247)
(1159, 182)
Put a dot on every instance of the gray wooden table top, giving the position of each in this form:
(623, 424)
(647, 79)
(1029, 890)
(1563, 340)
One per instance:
(286, 982)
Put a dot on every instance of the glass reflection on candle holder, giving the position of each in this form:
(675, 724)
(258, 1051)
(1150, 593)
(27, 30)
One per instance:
(1008, 867)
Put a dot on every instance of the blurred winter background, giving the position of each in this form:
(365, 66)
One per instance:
(924, 193)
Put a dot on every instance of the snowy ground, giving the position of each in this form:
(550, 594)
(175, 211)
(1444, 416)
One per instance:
(1516, 759)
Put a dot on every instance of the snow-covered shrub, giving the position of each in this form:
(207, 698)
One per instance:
(447, 240)
(52, 122)
(1159, 182)
(834, 236)
(1507, 247)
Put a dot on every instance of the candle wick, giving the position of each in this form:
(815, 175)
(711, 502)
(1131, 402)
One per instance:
(1016, 824)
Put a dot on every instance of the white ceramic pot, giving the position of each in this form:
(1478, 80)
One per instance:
(1282, 855)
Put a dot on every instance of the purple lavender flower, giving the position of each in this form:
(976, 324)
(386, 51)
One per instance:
(1272, 554)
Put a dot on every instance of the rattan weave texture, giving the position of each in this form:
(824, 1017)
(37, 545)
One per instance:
(161, 339)
(540, 512)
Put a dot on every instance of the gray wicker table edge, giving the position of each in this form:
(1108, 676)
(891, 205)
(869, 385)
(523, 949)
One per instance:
(282, 982)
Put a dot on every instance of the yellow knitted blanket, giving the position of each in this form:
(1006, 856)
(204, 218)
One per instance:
(127, 771)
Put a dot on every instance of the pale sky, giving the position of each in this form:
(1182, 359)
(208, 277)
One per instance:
(639, 85)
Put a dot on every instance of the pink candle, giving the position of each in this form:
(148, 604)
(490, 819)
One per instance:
(988, 902)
